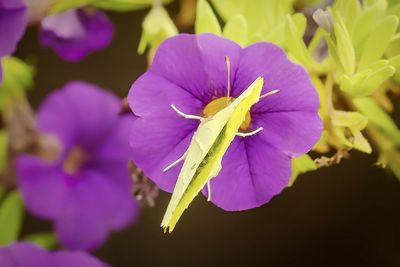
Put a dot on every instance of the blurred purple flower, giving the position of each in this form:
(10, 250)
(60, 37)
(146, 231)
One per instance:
(76, 33)
(28, 255)
(12, 26)
(86, 191)
(190, 72)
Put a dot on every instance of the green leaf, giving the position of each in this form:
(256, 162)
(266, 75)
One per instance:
(379, 40)
(229, 8)
(349, 119)
(263, 17)
(301, 165)
(374, 80)
(11, 215)
(206, 21)
(157, 26)
(364, 23)
(355, 122)
(333, 52)
(360, 142)
(3, 150)
(296, 45)
(378, 116)
(236, 30)
(395, 61)
(47, 240)
(382, 4)
(345, 49)
(124, 5)
(300, 21)
(18, 76)
(63, 5)
(394, 46)
(367, 80)
(349, 10)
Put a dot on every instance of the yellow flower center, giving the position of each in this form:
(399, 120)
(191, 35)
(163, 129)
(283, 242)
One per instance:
(74, 160)
(218, 104)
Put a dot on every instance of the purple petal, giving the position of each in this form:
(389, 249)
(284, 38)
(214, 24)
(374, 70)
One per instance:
(252, 173)
(197, 63)
(76, 33)
(111, 161)
(94, 206)
(75, 259)
(292, 132)
(23, 254)
(97, 198)
(88, 114)
(43, 187)
(12, 24)
(269, 61)
(165, 139)
(26, 254)
(152, 95)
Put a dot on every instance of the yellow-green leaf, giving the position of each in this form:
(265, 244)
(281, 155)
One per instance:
(363, 25)
(345, 49)
(229, 8)
(206, 21)
(64, 5)
(47, 240)
(11, 214)
(157, 26)
(360, 142)
(296, 45)
(236, 30)
(349, 119)
(395, 61)
(301, 165)
(3, 150)
(379, 117)
(379, 40)
(124, 5)
(17, 77)
(374, 80)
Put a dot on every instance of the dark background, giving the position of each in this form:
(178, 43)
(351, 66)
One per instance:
(345, 215)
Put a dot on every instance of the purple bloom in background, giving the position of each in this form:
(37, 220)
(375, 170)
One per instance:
(87, 190)
(76, 33)
(12, 26)
(29, 255)
(190, 72)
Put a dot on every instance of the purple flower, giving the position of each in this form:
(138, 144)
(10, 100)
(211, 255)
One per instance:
(76, 33)
(12, 26)
(29, 255)
(190, 72)
(86, 191)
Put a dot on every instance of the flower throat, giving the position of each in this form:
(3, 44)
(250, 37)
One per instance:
(218, 104)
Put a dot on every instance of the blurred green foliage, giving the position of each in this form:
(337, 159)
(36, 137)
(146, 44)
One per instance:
(11, 215)
(46, 240)
(18, 77)
(113, 5)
